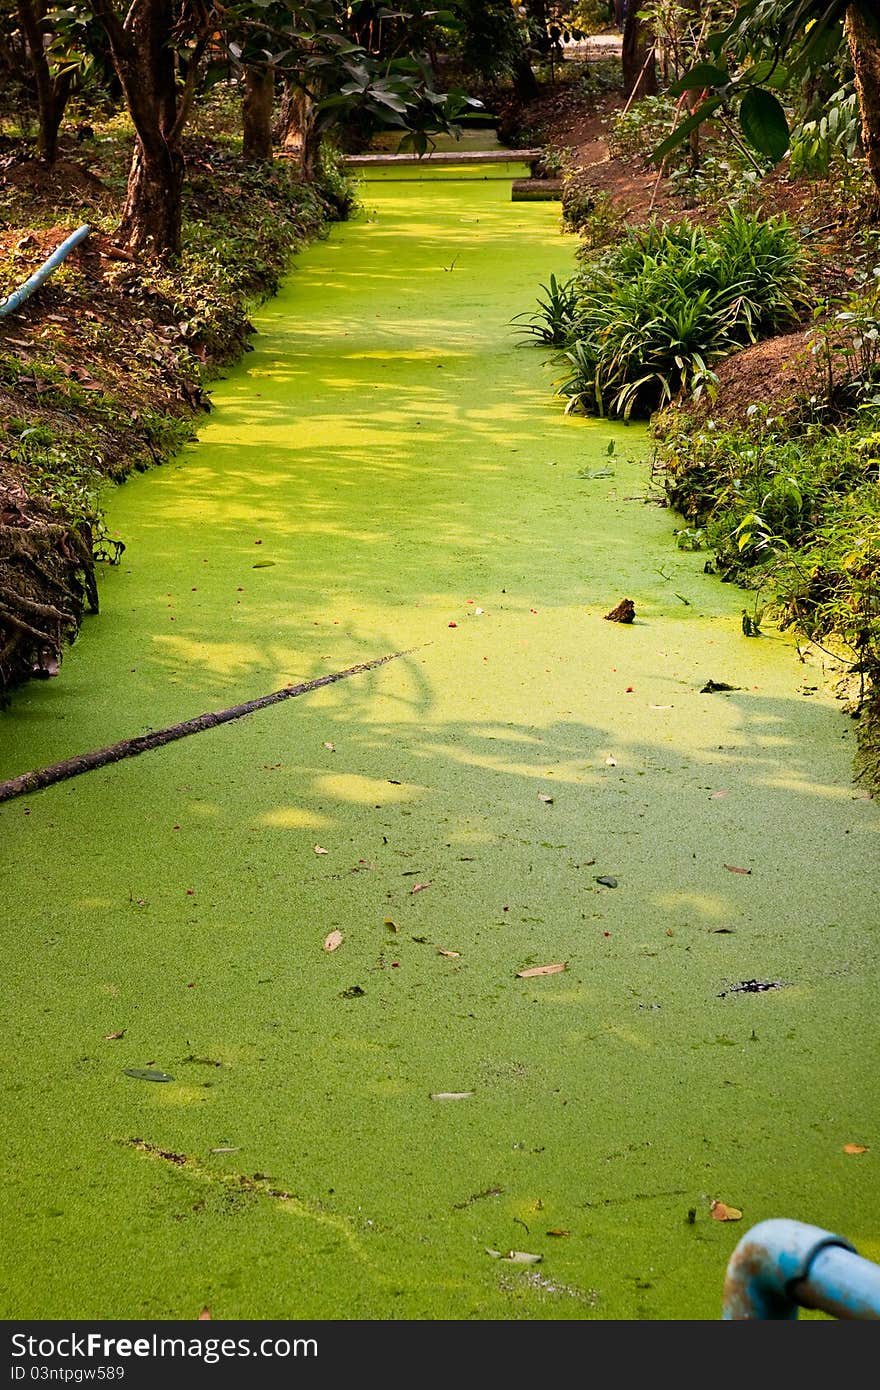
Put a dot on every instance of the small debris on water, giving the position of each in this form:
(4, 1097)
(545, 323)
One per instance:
(624, 612)
(712, 686)
(752, 987)
(607, 880)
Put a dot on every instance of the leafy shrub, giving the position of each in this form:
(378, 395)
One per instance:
(552, 321)
(634, 133)
(797, 517)
(655, 312)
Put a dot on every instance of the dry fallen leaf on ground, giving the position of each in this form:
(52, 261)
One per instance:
(453, 955)
(855, 1148)
(541, 970)
(722, 1212)
(332, 940)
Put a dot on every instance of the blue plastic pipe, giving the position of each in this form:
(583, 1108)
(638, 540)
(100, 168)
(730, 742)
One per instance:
(17, 298)
(780, 1266)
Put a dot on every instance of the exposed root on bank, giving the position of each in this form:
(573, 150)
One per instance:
(47, 579)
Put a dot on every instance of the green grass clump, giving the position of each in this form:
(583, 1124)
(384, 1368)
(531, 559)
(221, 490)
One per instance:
(657, 311)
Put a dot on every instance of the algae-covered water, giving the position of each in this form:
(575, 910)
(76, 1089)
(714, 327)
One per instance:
(388, 470)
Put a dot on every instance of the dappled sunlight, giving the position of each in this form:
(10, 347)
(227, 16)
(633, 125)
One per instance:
(348, 786)
(292, 818)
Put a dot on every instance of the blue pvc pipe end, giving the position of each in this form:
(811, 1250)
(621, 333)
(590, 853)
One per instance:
(770, 1267)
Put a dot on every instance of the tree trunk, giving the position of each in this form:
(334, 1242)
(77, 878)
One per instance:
(151, 218)
(639, 64)
(145, 64)
(52, 92)
(256, 111)
(864, 47)
(299, 135)
(525, 83)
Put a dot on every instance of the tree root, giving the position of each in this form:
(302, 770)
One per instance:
(157, 738)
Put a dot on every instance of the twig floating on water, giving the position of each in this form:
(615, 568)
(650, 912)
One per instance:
(130, 747)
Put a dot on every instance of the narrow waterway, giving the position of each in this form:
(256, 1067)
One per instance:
(349, 1133)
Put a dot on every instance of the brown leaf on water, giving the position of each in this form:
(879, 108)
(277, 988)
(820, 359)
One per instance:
(333, 940)
(716, 796)
(558, 1231)
(204, 1315)
(114, 1037)
(420, 887)
(453, 955)
(855, 1148)
(555, 969)
(391, 924)
(548, 800)
(722, 1212)
(732, 869)
(330, 746)
(319, 849)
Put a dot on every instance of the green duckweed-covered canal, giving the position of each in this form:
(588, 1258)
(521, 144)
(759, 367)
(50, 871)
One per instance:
(388, 470)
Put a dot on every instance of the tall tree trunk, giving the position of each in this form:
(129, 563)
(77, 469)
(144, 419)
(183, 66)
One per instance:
(52, 92)
(145, 63)
(639, 65)
(256, 112)
(299, 135)
(864, 46)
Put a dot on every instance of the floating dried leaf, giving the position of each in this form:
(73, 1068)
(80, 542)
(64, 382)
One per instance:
(557, 1231)
(716, 796)
(722, 1212)
(541, 970)
(331, 746)
(226, 1149)
(451, 1095)
(353, 992)
(147, 1074)
(333, 940)
(319, 849)
(548, 800)
(855, 1148)
(420, 887)
(114, 1037)
(611, 761)
(204, 1315)
(732, 869)
(453, 955)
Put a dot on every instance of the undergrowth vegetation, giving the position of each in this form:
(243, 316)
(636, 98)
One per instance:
(642, 323)
(106, 370)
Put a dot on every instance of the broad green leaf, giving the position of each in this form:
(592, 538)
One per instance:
(682, 131)
(703, 75)
(764, 123)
